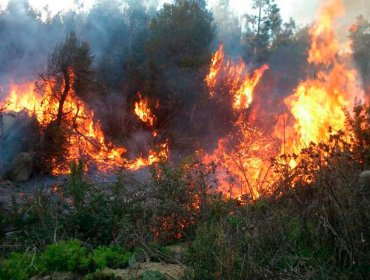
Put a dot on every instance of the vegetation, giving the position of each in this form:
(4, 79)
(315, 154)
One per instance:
(314, 225)
(69, 256)
(318, 229)
(360, 37)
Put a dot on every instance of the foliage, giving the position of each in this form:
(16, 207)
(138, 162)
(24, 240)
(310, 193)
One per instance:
(69, 68)
(19, 266)
(180, 39)
(360, 43)
(181, 193)
(66, 56)
(178, 49)
(76, 210)
(262, 29)
(359, 123)
(65, 256)
(313, 227)
(77, 186)
(113, 256)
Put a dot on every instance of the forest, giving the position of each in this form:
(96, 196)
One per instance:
(184, 140)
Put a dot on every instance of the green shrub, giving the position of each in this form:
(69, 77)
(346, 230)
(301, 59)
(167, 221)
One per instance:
(66, 256)
(201, 257)
(20, 266)
(113, 257)
(76, 185)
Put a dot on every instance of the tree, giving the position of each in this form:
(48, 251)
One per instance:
(181, 34)
(229, 31)
(261, 29)
(71, 57)
(178, 55)
(69, 69)
(360, 37)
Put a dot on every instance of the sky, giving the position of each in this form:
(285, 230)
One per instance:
(303, 11)
(289, 8)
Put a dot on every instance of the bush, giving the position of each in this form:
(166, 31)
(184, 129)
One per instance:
(114, 257)
(66, 256)
(313, 227)
(20, 266)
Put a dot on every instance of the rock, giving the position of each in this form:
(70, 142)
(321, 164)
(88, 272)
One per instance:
(21, 167)
(364, 183)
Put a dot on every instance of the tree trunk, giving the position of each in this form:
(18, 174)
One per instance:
(63, 98)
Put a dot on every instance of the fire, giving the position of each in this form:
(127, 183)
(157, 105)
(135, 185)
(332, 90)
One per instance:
(142, 110)
(154, 157)
(313, 110)
(236, 77)
(243, 162)
(243, 96)
(86, 141)
(317, 104)
(28, 101)
(242, 158)
(216, 64)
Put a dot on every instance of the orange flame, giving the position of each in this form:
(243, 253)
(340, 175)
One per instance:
(240, 83)
(316, 107)
(142, 110)
(243, 96)
(87, 140)
(317, 104)
(241, 160)
(216, 64)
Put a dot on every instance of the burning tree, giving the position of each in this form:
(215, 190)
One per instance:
(69, 71)
(67, 57)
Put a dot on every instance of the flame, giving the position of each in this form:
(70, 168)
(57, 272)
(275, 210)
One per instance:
(317, 104)
(86, 141)
(236, 77)
(216, 64)
(314, 110)
(242, 158)
(243, 96)
(243, 162)
(154, 157)
(28, 101)
(142, 110)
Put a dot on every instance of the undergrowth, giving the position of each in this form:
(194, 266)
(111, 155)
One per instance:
(315, 225)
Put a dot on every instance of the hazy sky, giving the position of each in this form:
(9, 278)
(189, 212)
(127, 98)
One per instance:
(303, 11)
(289, 8)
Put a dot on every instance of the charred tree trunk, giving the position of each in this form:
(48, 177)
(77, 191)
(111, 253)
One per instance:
(63, 98)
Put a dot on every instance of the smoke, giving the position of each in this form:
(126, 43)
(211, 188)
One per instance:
(117, 32)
